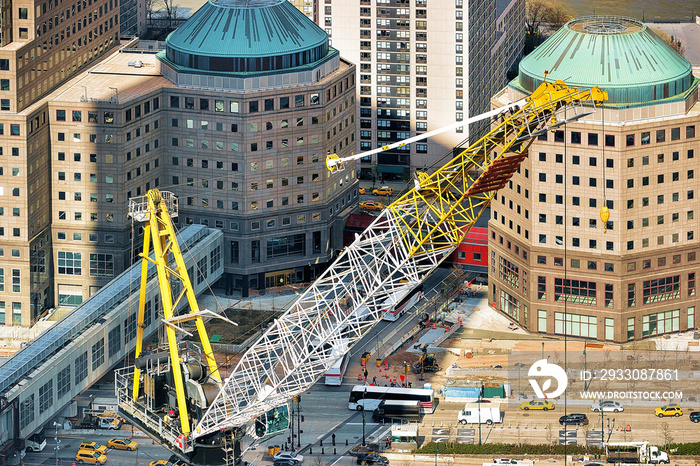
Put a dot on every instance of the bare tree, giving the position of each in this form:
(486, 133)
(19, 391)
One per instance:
(675, 43)
(171, 11)
(549, 434)
(536, 12)
(666, 433)
(150, 4)
(556, 15)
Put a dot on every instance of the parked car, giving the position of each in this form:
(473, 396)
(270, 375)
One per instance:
(361, 190)
(544, 405)
(671, 409)
(84, 456)
(122, 444)
(160, 463)
(372, 459)
(288, 455)
(383, 191)
(93, 447)
(371, 205)
(286, 463)
(504, 461)
(574, 419)
(607, 406)
(695, 416)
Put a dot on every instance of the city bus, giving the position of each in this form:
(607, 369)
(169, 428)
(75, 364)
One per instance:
(400, 301)
(368, 397)
(334, 374)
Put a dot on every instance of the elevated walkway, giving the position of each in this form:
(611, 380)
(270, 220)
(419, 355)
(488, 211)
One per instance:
(43, 377)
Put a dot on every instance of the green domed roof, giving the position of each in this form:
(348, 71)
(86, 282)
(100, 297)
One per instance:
(247, 35)
(621, 55)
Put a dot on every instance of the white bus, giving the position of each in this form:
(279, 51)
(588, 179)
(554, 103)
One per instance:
(368, 397)
(335, 373)
(400, 301)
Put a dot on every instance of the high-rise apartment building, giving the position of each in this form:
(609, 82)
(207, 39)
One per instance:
(235, 117)
(422, 65)
(555, 267)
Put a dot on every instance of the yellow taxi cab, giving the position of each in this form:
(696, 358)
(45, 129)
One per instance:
(85, 456)
(668, 410)
(93, 447)
(122, 444)
(383, 191)
(371, 205)
(361, 190)
(544, 405)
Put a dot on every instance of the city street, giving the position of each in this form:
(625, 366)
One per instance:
(147, 451)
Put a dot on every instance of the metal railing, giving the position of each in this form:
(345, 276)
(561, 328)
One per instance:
(123, 384)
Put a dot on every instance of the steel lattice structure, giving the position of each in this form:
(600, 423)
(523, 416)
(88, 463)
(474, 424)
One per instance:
(404, 244)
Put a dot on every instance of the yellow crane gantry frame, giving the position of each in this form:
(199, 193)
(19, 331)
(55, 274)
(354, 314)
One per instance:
(156, 209)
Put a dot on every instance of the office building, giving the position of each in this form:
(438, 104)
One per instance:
(555, 268)
(238, 129)
(422, 66)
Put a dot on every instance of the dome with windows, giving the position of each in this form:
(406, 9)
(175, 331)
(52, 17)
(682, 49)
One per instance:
(247, 36)
(621, 55)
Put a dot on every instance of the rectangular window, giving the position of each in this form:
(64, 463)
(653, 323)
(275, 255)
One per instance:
(98, 354)
(541, 288)
(575, 325)
(63, 382)
(661, 289)
(575, 291)
(81, 368)
(45, 396)
(114, 340)
(630, 328)
(660, 323)
(541, 320)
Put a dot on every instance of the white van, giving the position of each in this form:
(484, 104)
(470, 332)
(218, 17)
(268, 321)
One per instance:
(477, 413)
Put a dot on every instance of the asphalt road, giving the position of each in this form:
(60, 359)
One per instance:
(147, 451)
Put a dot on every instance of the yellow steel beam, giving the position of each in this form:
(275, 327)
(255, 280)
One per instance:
(142, 305)
(493, 158)
(160, 234)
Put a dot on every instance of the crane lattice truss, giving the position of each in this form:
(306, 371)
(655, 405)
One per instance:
(404, 244)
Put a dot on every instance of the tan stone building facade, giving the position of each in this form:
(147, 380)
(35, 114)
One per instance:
(555, 268)
(244, 153)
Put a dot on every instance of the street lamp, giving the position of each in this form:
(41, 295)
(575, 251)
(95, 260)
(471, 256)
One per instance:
(363, 415)
(519, 365)
(585, 381)
(479, 409)
(56, 447)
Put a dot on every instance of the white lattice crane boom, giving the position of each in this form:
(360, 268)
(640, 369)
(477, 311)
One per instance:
(404, 244)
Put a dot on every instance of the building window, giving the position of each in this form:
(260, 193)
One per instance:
(101, 265)
(660, 322)
(45, 396)
(114, 340)
(661, 289)
(129, 328)
(81, 367)
(508, 272)
(575, 291)
(63, 382)
(575, 325)
(98, 354)
(541, 320)
(542, 288)
(286, 246)
(69, 263)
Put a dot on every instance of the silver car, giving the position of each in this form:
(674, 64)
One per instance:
(607, 407)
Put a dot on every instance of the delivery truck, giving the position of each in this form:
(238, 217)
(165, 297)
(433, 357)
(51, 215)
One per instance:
(480, 413)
